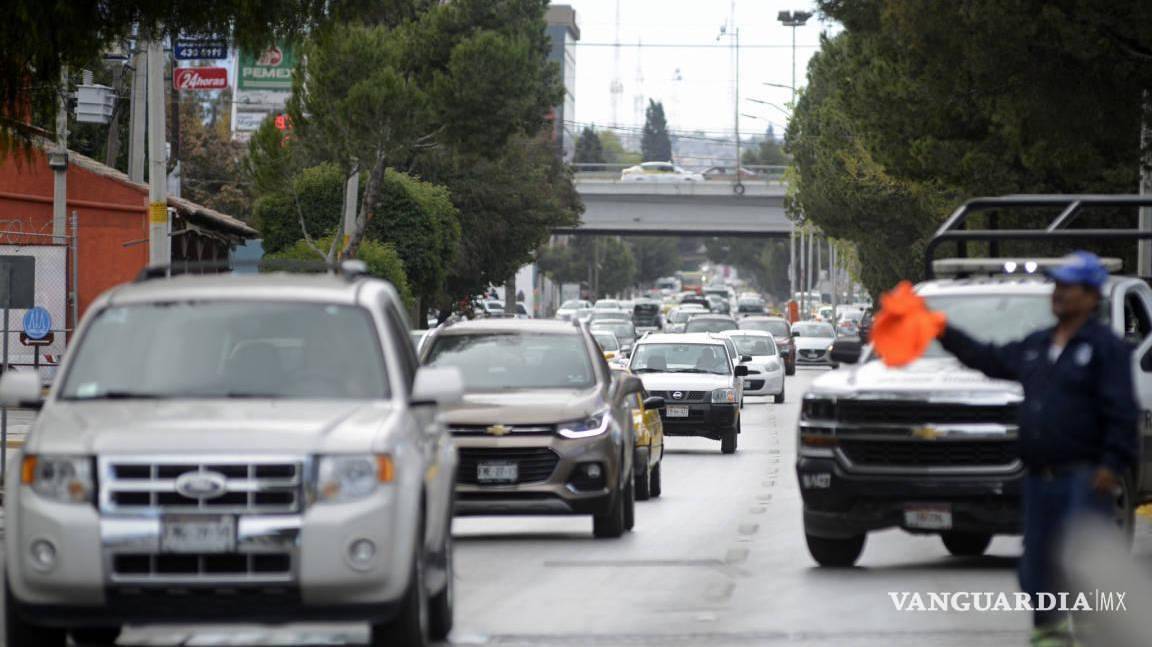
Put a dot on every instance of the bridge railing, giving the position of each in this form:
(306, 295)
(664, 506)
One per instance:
(750, 174)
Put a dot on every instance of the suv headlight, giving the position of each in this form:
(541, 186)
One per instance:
(349, 477)
(67, 479)
(593, 425)
(724, 396)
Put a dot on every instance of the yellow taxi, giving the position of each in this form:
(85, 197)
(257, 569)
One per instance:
(649, 432)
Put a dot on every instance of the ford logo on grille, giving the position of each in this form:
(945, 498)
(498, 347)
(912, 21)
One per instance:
(676, 395)
(201, 485)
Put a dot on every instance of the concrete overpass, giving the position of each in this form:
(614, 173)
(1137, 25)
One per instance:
(710, 208)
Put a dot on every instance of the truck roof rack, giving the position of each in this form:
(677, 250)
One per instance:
(1071, 206)
(349, 269)
(1020, 266)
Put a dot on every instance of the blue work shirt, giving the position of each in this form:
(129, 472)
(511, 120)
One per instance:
(1079, 409)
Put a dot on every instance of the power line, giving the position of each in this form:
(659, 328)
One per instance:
(689, 45)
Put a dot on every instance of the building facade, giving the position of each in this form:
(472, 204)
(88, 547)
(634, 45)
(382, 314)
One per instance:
(564, 32)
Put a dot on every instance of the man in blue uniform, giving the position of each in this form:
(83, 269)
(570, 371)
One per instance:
(1078, 422)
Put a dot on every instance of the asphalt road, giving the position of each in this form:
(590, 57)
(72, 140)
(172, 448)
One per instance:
(718, 560)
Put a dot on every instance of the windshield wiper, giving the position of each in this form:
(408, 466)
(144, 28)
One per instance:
(119, 395)
(689, 370)
(647, 370)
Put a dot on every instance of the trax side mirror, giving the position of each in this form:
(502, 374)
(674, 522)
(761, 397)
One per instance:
(846, 350)
(438, 386)
(626, 386)
(741, 371)
(21, 389)
(654, 402)
(745, 358)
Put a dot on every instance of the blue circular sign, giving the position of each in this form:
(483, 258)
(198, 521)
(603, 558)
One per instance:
(37, 323)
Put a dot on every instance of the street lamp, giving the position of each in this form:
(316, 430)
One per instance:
(793, 19)
(734, 34)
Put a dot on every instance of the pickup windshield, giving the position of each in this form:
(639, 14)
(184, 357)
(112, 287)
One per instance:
(227, 349)
(681, 358)
(993, 318)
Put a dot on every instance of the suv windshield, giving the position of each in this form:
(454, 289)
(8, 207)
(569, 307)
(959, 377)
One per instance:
(754, 344)
(681, 358)
(699, 324)
(228, 350)
(778, 327)
(509, 361)
(993, 318)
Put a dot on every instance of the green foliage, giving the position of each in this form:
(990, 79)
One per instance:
(212, 164)
(770, 152)
(655, 257)
(382, 259)
(589, 150)
(617, 266)
(316, 195)
(917, 106)
(655, 145)
(419, 220)
(763, 261)
(572, 263)
(614, 151)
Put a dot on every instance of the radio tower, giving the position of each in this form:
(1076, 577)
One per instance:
(616, 88)
(638, 107)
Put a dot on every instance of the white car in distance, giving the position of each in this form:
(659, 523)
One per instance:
(661, 172)
(766, 368)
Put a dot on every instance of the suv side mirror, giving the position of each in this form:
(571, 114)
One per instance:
(745, 358)
(20, 389)
(654, 402)
(741, 370)
(438, 386)
(846, 350)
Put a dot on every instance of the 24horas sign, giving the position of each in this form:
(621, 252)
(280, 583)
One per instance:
(267, 70)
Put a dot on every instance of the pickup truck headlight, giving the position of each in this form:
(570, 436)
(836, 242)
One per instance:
(724, 396)
(67, 479)
(593, 425)
(818, 409)
(349, 477)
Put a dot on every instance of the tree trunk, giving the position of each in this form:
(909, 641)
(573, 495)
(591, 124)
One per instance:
(510, 295)
(112, 144)
(367, 204)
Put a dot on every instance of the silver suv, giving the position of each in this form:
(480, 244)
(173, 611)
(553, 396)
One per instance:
(227, 449)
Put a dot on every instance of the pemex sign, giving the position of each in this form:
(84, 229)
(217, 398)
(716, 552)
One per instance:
(267, 70)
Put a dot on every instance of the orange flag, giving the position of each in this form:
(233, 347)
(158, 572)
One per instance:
(905, 326)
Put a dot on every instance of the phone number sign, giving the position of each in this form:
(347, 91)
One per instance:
(192, 50)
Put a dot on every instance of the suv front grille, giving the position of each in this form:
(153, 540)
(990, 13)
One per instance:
(533, 464)
(190, 566)
(482, 430)
(920, 453)
(139, 485)
(685, 396)
(911, 412)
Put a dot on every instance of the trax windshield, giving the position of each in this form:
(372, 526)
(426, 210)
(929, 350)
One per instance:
(228, 350)
(510, 361)
(777, 327)
(754, 344)
(681, 358)
(993, 318)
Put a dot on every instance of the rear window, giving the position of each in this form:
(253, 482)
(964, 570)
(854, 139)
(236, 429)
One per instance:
(698, 324)
(511, 361)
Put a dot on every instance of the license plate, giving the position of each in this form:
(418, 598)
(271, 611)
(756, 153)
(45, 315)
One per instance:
(676, 412)
(928, 517)
(497, 472)
(198, 534)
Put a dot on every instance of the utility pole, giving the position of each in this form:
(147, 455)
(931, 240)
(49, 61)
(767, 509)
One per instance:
(138, 115)
(794, 19)
(832, 278)
(59, 164)
(1144, 247)
(159, 246)
(736, 107)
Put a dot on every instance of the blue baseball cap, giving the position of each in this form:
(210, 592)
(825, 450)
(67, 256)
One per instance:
(1080, 268)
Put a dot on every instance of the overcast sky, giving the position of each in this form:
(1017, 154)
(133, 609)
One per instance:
(702, 99)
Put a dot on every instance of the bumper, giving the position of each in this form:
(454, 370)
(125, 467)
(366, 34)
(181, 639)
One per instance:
(821, 358)
(764, 383)
(840, 504)
(704, 419)
(105, 560)
(561, 489)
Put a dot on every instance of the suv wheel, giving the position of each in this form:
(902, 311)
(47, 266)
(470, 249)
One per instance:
(728, 441)
(441, 607)
(610, 524)
(409, 627)
(966, 544)
(18, 631)
(644, 484)
(630, 505)
(779, 397)
(654, 480)
(790, 368)
(836, 552)
(95, 635)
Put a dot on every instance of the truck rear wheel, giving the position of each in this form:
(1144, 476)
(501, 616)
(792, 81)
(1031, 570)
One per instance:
(654, 480)
(644, 483)
(18, 631)
(966, 544)
(729, 440)
(840, 552)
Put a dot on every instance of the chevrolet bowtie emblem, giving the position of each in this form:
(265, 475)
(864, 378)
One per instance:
(497, 430)
(925, 433)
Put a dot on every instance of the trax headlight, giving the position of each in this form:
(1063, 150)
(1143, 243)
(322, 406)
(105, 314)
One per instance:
(593, 425)
(350, 477)
(67, 479)
(724, 396)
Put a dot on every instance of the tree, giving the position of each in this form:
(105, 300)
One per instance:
(212, 164)
(617, 266)
(655, 257)
(572, 263)
(467, 75)
(310, 207)
(589, 150)
(913, 108)
(770, 152)
(655, 144)
(382, 259)
(614, 151)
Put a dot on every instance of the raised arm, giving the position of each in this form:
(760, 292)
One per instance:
(1001, 362)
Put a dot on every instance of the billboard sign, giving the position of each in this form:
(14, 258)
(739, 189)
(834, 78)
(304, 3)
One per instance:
(267, 70)
(200, 78)
(200, 50)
